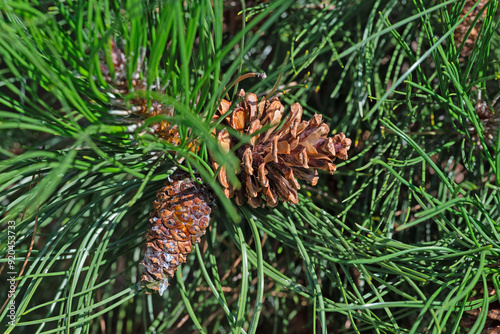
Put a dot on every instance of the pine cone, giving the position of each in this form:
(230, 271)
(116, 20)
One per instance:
(490, 122)
(181, 216)
(274, 158)
(461, 30)
(137, 105)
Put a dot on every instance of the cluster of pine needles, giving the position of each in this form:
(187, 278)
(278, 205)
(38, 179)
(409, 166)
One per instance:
(404, 237)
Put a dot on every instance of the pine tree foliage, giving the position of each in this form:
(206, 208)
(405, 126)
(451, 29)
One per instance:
(403, 238)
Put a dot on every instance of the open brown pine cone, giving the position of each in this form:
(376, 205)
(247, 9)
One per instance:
(275, 156)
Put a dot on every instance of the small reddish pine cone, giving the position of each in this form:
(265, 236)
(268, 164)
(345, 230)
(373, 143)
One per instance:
(490, 122)
(137, 105)
(180, 217)
(461, 30)
(275, 158)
